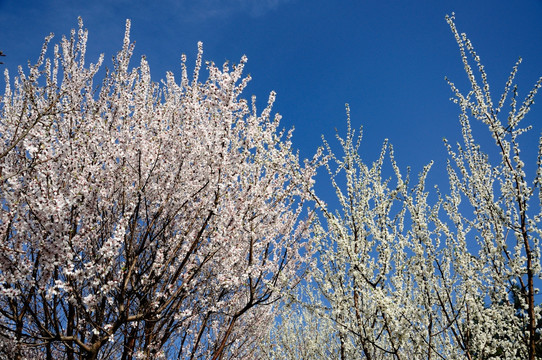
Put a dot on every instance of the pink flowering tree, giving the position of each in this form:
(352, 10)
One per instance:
(142, 220)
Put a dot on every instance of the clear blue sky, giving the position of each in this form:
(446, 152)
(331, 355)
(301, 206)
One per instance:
(387, 59)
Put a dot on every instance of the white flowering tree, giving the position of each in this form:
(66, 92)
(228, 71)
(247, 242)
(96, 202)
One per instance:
(142, 220)
(404, 277)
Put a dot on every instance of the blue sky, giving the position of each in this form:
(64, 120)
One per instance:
(387, 59)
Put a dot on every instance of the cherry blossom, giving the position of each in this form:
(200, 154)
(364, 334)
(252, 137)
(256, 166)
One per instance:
(402, 276)
(139, 219)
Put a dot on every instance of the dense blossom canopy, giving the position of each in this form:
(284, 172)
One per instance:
(142, 220)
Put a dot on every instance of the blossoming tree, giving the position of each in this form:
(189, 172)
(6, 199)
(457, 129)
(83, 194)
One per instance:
(142, 220)
(403, 278)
